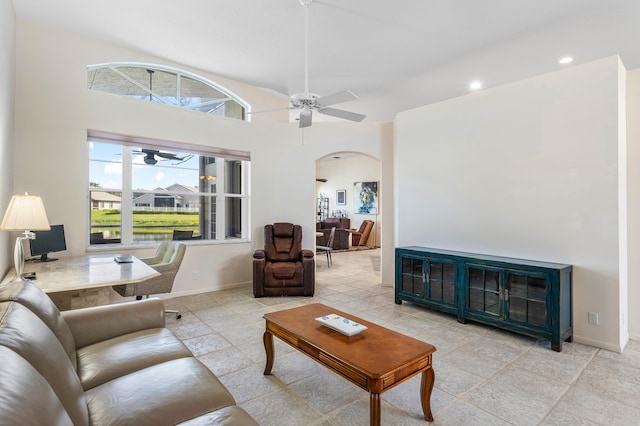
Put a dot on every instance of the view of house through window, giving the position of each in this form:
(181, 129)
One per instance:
(148, 193)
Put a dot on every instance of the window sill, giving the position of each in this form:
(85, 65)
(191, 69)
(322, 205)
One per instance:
(97, 248)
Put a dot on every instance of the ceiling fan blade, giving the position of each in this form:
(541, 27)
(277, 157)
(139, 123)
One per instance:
(340, 113)
(336, 98)
(305, 119)
(167, 155)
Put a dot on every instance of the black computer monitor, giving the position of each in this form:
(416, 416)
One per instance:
(48, 242)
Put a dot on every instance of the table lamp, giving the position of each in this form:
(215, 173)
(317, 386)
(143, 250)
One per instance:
(25, 213)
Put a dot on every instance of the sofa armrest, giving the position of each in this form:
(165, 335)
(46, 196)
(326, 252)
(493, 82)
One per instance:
(99, 323)
(259, 254)
(307, 253)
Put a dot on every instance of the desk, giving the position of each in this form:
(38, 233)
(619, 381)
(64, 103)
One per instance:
(80, 281)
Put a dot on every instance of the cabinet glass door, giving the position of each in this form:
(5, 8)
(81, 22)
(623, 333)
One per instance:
(412, 275)
(483, 293)
(526, 297)
(442, 282)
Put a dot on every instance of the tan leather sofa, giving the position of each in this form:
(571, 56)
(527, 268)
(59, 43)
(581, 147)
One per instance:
(114, 364)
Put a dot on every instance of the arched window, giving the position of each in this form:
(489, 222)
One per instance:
(165, 85)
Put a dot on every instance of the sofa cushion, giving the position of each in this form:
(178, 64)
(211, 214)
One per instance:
(228, 416)
(116, 357)
(27, 294)
(25, 334)
(168, 393)
(26, 397)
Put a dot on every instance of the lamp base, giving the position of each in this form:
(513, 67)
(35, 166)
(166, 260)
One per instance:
(18, 253)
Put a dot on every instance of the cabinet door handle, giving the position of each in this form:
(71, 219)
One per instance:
(506, 294)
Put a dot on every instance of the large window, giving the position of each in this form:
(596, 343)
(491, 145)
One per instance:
(148, 191)
(169, 86)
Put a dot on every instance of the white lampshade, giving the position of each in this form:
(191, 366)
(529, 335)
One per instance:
(25, 212)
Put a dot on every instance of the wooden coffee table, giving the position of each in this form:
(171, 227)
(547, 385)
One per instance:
(376, 359)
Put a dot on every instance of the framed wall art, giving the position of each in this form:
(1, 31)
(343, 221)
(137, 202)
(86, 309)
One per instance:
(365, 197)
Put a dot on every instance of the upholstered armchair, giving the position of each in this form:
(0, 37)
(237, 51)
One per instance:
(360, 237)
(283, 268)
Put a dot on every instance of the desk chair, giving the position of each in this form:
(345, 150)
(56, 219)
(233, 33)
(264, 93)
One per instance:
(328, 248)
(167, 261)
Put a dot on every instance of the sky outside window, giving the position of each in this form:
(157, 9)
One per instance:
(106, 168)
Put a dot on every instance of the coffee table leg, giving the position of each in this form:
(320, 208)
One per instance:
(267, 338)
(426, 386)
(374, 409)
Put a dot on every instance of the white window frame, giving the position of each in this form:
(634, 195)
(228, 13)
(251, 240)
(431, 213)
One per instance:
(179, 72)
(126, 202)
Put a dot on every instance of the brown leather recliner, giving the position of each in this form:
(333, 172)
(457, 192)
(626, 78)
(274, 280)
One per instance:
(283, 268)
(360, 237)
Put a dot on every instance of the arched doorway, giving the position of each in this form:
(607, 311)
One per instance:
(348, 189)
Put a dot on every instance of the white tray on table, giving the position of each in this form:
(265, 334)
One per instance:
(341, 324)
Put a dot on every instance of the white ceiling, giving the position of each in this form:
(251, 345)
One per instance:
(395, 55)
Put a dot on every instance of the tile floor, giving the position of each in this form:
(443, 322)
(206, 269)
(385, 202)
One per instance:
(484, 376)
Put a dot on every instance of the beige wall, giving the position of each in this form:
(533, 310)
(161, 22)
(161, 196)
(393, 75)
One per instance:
(526, 170)
(633, 188)
(54, 110)
(7, 90)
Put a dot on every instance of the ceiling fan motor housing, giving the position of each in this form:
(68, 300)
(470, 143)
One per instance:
(301, 100)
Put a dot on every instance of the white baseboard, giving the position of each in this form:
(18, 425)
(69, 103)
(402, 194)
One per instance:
(599, 344)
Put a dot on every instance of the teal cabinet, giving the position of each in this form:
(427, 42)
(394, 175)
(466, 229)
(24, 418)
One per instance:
(524, 296)
(430, 280)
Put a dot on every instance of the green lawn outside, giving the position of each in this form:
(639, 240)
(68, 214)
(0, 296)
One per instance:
(146, 222)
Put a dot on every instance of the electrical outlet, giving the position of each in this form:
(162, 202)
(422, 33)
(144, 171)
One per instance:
(593, 318)
(194, 275)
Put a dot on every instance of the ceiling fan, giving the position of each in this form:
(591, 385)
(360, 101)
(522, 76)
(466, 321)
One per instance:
(150, 156)
(309, 102)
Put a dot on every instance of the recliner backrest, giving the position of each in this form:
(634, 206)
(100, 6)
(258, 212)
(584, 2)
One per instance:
(30, 296)
(283, 242)
(368, 226)
(25, 396)
(22, 331)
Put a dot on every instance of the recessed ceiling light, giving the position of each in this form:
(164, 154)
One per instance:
(475, 85)
(566, 60)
